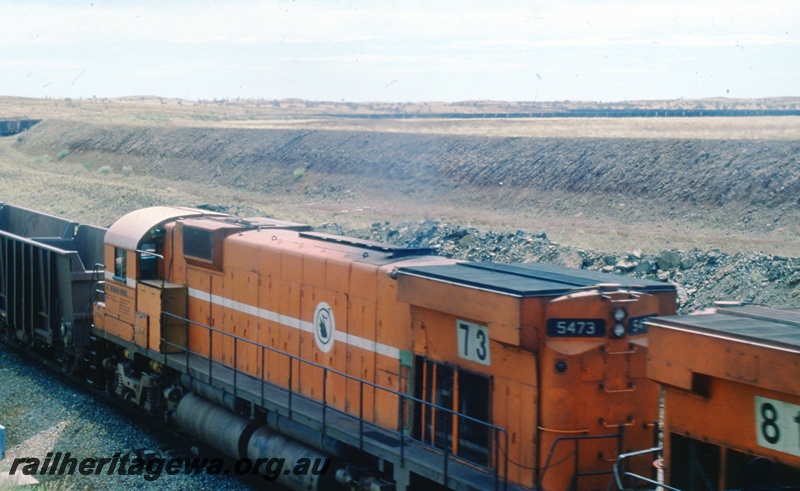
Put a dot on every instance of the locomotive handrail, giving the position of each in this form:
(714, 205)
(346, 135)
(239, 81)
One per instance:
(98, 280)
(404, 399)
(624, 300)
(567, 432)
(622, 458)
(625, 352)
(619, 391)
(149, 253)
(576, 452)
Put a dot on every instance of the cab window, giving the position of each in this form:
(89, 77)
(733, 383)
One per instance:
(120, 264)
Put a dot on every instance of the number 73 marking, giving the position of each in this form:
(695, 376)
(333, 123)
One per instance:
(778, 425)
(473, 342)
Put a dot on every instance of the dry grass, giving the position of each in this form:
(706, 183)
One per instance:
(768, 128)
(154, 111)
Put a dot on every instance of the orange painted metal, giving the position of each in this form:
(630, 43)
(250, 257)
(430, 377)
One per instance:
(714, 380)
(341, 306)
(154, 297)
(600, 392)
(595, 387)
(120, 302)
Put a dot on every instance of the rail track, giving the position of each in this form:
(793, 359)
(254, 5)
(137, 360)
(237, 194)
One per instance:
(167, 441)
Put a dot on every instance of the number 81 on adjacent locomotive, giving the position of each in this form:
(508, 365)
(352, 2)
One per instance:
(778, 425)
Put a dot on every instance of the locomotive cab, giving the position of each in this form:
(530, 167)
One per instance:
(144, 277)
(553, 356)
(136, 289)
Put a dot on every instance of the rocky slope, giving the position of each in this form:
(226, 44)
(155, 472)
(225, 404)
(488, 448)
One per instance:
(701, 277)
(736, 184)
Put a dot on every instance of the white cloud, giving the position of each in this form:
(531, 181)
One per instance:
(466, 46)
(13, 62)
(538, 23)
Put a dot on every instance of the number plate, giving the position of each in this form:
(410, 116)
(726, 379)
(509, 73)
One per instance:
(636, 324)
(473, 342)
(778, 425)
(579, 328)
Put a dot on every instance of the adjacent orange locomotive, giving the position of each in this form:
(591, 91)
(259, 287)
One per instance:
(731, 379)
(414, 371)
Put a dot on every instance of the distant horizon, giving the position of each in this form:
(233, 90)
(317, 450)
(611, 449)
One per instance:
(459, 102)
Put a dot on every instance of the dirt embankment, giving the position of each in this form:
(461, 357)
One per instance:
(644, 180)
(691, 211)
(702, 171)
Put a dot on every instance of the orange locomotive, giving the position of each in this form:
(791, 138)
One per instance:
(264, 338)
(731, 379)
(446, 373)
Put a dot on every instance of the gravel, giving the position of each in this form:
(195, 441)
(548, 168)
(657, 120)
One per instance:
(701, 276)
(44, 414)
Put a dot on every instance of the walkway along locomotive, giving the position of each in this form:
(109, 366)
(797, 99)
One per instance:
(264, 338)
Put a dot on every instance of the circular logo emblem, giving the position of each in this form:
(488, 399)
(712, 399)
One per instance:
(324, 326)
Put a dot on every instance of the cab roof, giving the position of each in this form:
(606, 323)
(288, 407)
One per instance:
(776, 328)
(529, 279)
(128, 232)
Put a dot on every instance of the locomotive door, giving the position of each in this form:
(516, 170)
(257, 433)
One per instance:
(241, 287)
(204, 287)
(449, 389)
(325, 313)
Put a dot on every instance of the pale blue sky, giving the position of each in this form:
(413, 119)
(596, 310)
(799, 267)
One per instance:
(404, 50)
